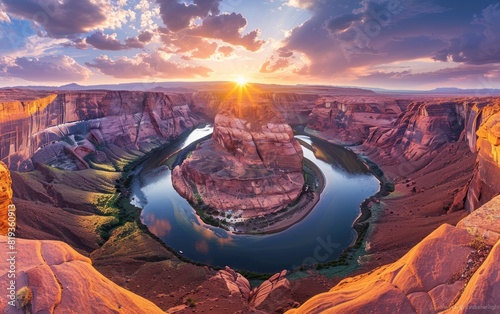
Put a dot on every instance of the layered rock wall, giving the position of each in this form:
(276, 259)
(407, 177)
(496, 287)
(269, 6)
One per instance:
(484, 122)
(348, 120)
(62, 129)
(252, 163)
(451, 270)
(5, 197)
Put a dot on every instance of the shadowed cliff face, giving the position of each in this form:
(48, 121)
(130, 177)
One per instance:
(348, 120)
(69, 130)
(252, 163)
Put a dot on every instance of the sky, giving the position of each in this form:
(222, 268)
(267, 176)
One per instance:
(392, 44)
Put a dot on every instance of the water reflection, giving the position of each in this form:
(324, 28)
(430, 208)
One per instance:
(160, 227)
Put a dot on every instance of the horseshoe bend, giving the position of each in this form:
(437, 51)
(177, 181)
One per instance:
(426, 242)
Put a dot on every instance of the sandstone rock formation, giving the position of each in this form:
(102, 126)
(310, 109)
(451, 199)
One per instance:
(5, 197)
(348, 120)
(63, 281)
(273, 295)
(252, 163)
(78, 130)
(447, 271)
(485, 183)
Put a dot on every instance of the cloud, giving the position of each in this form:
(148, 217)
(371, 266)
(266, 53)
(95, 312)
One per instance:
(60, 18)
(302, 4)
(226, 51)
(197, 29)
(190, 46)
(228, 28)
(143, 65)
(343, 36)
(462, 75)
(48, 68)
(480, 44)
(69, 18)
(102, 41)
(178, 16)
(270, 66)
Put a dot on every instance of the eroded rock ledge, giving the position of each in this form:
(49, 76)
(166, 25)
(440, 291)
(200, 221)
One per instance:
(447, 271)
(252, 162)
(63, 281)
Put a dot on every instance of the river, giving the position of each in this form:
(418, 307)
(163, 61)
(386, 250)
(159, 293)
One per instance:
(320, 237)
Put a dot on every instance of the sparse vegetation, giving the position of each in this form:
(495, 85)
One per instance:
(190, 302)
(24, 296)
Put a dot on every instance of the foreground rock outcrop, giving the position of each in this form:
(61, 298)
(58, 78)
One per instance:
(63, 281)
(252, 163)
(454, 269)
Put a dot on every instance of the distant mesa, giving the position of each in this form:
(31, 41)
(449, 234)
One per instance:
(252, 164)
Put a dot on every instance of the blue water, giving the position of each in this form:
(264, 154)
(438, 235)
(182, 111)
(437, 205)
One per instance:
(319, 237)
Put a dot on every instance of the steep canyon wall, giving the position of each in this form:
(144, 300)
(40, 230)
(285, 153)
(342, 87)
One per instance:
(67, 129)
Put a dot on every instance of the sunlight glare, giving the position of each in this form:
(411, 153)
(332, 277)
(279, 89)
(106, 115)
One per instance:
(241, 81)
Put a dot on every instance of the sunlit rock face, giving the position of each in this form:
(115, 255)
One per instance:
(63, 281)
(485, 183)
(5, 197)
(449, 271)
(252, 163)
(74, 130)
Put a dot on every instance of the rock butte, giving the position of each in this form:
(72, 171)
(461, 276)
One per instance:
(252, 162)
(446, 148)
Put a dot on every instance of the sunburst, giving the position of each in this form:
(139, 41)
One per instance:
(241, 81)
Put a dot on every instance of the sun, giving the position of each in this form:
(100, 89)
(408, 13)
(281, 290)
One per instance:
(241, 81)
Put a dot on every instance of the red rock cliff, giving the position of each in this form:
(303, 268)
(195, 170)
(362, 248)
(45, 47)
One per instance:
(451, 270)
(484, 137)
(5, 197)
(66, 129)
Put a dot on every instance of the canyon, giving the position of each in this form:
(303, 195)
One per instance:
(67, 153)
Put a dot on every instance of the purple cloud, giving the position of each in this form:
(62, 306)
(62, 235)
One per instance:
(177, 15)
(46, 69)
(59, 18)
(480, 44)
(345, 35)
(102, 41)
(145, 65)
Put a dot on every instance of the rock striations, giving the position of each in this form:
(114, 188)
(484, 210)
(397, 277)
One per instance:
(63, 281)
(5, 197)
(454, 269)
(252, 163)
(77, 130)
